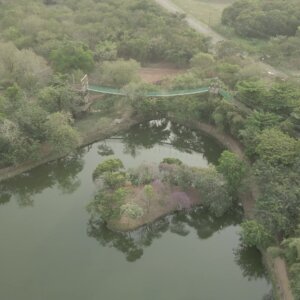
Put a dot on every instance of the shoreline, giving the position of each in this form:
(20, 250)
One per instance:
(126, 122)
(247, 198)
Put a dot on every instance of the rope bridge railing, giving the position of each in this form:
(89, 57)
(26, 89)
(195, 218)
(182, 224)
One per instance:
(163, 93)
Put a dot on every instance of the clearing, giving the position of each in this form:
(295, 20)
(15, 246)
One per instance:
(155, 73)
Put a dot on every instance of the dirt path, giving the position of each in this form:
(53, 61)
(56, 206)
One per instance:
(193, 22)
(282, 280)
(215, 37)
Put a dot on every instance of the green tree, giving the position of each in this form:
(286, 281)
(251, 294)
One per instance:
(60, 134)
(57, 98)
(252, 93)
(114, 180)
(105, 51)
(213, 189)
(132, 210)
(202, 63)
(109, 165)
(233, 169)
(15, 147)
(31, 119)
(254, 234)
(276, 147)
(149, 194)
(119, 73)
(254, 125)
(72, 56)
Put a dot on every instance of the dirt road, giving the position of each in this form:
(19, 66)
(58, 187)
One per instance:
(215, 37)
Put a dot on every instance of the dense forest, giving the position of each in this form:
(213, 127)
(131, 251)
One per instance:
(46, 47)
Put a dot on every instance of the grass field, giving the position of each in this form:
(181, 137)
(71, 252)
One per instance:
(209, 11)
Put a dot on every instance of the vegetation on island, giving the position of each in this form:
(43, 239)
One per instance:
(129, 199)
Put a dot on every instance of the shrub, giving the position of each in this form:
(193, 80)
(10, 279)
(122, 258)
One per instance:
(110, 165)
(114, 180)
(254, 234)
(172, 161)
(132, 210)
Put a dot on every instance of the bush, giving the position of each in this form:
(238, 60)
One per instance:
(295, 279)
(233, 169)
(254, 234)
(274, 252)
(114, 180)
(213, 190)
(172, 161)
(144, 174)
(109, 165)
(132, 210)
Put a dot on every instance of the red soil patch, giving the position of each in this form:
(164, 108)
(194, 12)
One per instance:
(157, 72)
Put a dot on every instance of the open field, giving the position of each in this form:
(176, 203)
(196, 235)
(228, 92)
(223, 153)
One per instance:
(209, 12)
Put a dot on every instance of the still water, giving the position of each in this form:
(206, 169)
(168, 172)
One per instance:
(52, 249)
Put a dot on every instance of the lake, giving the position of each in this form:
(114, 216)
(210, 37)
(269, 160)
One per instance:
(51, 248)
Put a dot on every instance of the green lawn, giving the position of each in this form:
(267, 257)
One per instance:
(208, 12)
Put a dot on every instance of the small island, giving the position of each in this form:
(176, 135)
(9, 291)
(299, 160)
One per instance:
(129, 199)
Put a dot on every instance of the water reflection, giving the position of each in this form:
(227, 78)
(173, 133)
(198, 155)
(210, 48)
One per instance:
(61, 173)
(4, 197)
(246, 258)
(132, 244)
(146, 135)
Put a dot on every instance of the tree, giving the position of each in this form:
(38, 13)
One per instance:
(213, 190)
(254, 234)
(71, 56)
(114, 180)
(14, 146)
(132, 210)
(202, 63)
(231, 13)
(227, 49)
(105, 51)
(228, 73)
(254, 125)
(277, 148)
(233, 169)
(149, 194)
(252, 93)
(31, 119)
(109, 165)
(23, 67)
(119, 73)
(58, 98)
(60, 134)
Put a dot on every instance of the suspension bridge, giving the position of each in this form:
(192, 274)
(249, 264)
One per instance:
(160, 93)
